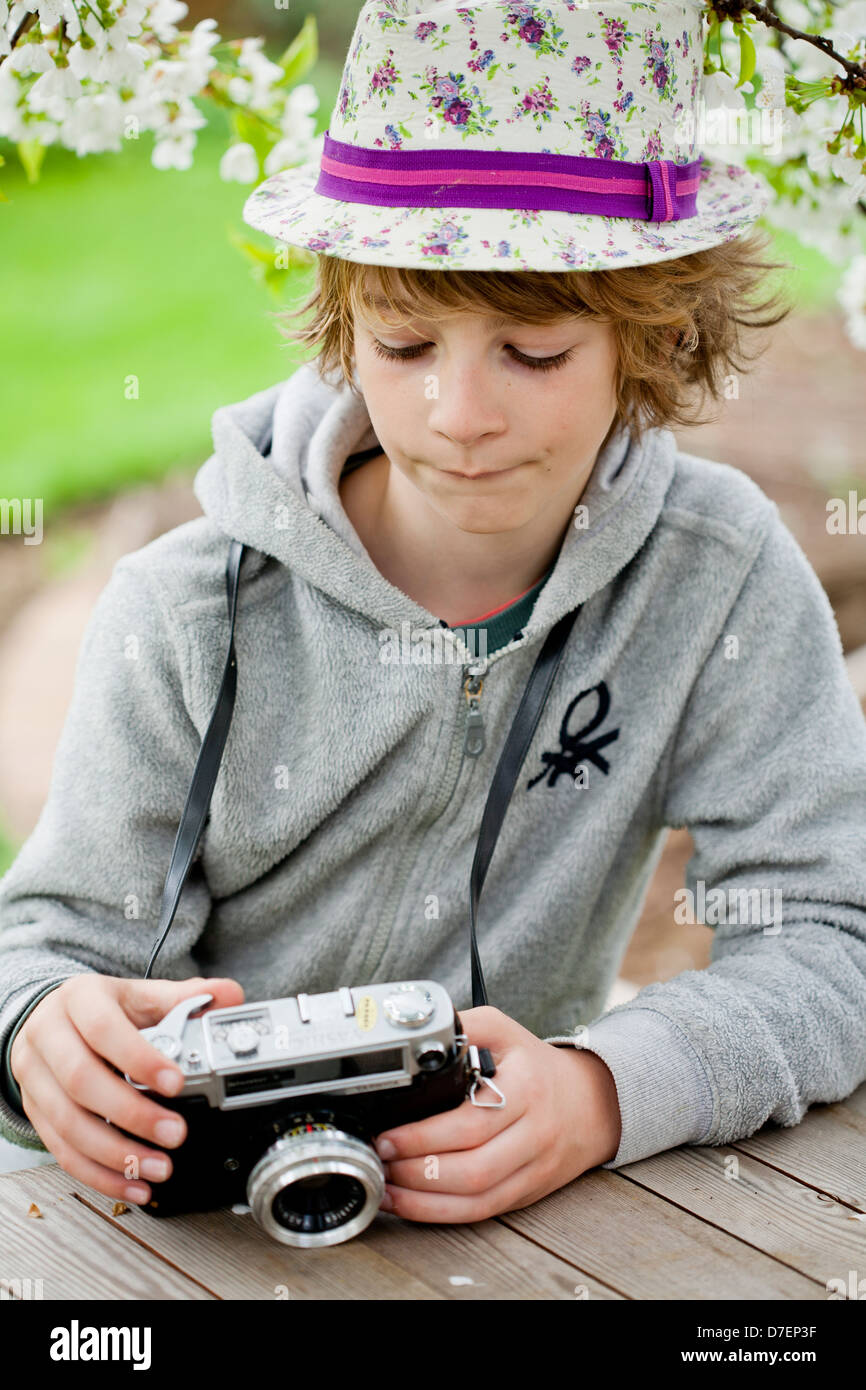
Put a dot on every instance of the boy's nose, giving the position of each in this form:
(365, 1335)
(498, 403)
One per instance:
(466, 408)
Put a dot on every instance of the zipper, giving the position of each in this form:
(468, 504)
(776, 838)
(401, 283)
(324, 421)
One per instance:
(466, 742)
(473, 685)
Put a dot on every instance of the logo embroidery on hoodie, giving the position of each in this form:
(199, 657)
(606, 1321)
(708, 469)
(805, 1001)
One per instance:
(574, 750)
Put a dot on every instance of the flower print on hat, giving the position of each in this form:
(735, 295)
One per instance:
(514, 136)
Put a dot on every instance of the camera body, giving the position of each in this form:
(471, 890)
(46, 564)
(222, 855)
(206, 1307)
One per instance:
(284, 1097)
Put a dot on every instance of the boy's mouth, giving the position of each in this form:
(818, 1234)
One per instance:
(477, 477)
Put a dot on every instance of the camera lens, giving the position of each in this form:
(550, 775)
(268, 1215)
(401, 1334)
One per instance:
(316, 1187)
(319, 1204)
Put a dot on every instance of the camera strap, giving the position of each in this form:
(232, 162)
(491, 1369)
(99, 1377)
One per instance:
(196, 811)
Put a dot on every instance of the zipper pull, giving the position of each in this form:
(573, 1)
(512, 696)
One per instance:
(473, 741)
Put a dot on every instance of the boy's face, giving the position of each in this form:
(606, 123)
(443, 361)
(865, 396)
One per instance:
(524, 439)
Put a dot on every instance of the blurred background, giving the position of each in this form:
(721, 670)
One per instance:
(111, 268)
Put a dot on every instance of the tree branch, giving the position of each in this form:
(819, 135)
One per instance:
(26, 23)
(734, 10)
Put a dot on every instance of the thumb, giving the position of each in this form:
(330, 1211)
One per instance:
(486, 1026)
(147, 1002)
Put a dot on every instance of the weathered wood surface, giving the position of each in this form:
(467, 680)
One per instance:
(772, 1217)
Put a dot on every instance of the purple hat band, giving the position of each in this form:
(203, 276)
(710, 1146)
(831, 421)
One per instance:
(656, 191)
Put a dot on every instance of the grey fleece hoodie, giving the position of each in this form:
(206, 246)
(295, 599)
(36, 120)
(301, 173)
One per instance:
(703, 685)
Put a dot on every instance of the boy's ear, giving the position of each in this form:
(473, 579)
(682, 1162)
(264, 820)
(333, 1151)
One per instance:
(671, 339)
(681, 341)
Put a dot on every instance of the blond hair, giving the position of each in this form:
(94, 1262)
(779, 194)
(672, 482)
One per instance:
(678, 323)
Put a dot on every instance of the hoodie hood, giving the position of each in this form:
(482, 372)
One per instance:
(287, 504)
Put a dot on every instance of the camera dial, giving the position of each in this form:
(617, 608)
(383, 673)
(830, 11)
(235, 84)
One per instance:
(409, 1006)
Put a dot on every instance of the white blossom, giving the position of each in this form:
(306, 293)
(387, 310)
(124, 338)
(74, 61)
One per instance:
(772, 68)
(117, 66)
(848, 31)
(299, 142)
(718, 89)
(28, 57)
(163, 17)
(284, 154)
(51, 93)
(128, 24)
(240, 162)
(174, 152)
(297, 120)
(51, 12)
(826, 225)
(254, 91)
(851, 171)
(201, 39)
(5, 46)
(94, 124)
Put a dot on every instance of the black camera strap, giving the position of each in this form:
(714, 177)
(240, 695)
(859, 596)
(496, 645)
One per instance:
(196, 810)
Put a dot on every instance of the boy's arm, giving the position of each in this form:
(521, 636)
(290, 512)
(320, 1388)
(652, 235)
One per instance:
(85, 891)
(768, 772)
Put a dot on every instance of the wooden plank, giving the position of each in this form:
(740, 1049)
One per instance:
(827, 1149)
(392, 1259)
(233, 1257)
(229, 1254)
(644, 1247)
(499, 1261)
(72, 1251)
(805, 1229)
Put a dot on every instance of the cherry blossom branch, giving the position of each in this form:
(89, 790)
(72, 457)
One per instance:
(734, 10)
(27, 22)
(31, 18)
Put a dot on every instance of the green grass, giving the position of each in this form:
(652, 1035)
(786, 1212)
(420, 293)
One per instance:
(8, 851)
(112, 270)
(813, 281)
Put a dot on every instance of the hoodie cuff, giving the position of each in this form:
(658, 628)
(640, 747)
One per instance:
(665, 1098)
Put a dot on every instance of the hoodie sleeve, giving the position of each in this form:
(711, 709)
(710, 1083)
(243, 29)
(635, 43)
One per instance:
(768, 773)
(85, 890)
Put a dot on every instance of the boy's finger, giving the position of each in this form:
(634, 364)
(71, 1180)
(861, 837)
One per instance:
(83, 1075)
(105, 1028)
(472, 1172)
(451, 1131)
(147, 1002)
(78, 1166)
(489, 1027)
(519, 1189)
(91, 1137)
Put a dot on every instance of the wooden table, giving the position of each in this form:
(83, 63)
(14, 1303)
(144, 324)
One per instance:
(775, 1216)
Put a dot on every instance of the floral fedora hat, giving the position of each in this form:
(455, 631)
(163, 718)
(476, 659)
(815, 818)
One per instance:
(514, 136)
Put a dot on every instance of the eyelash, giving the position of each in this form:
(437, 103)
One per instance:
(535, 364)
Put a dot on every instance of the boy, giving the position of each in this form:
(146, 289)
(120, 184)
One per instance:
(510, 461)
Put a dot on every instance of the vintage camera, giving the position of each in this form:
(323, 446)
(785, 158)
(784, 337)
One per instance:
(283, 1099)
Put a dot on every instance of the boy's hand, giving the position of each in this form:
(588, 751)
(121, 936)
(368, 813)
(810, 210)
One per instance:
(561, 1116)
(68, 1091)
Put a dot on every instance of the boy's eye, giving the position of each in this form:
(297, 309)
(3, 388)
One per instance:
(535, 364)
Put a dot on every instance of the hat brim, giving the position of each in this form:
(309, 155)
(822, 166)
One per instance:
(286, 207)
